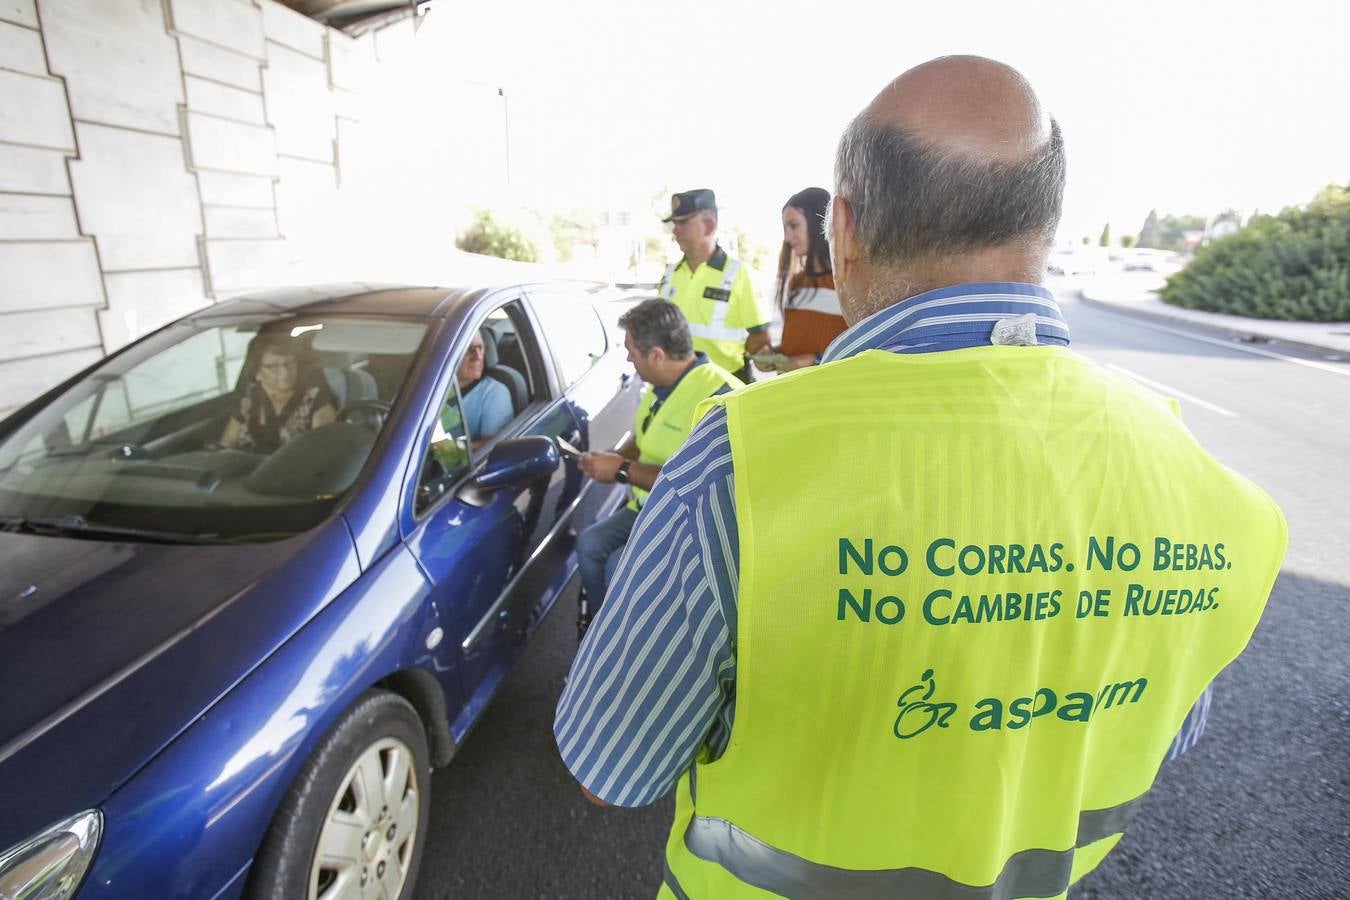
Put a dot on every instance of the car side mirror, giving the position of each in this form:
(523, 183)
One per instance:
(511, 463)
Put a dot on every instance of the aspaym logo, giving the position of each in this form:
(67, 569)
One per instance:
(917, 711)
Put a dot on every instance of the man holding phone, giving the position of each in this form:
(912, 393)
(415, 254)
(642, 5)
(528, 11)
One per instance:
(678, 379)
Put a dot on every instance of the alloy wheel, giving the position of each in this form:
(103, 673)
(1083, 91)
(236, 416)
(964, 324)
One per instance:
(366, 844)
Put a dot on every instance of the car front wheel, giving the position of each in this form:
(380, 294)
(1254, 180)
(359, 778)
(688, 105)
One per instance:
(353, 823)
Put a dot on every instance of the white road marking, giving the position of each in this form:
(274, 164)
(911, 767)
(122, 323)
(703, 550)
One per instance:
(1171, 391)
(1311, 364)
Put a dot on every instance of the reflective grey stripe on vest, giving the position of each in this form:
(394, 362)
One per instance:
(668, 284)
(1029, 873)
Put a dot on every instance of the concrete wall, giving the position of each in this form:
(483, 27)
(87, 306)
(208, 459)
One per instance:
(160, 155)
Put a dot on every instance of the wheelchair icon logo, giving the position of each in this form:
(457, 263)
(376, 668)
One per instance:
(917, 713)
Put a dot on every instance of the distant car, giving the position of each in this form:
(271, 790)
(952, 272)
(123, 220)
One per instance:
(227, 672)
(1071, 262)
(1146, 259)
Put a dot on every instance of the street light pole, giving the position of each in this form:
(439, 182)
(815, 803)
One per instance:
(506, 127)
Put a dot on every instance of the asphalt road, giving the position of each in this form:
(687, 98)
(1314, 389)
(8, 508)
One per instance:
(1260, 809)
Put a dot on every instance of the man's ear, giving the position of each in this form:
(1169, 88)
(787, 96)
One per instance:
(843, 236)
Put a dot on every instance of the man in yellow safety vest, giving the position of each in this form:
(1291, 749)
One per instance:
(713, 290)
(678, 380)
(924, 620)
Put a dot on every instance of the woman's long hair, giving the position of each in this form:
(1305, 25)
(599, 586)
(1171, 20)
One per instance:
(812, 202)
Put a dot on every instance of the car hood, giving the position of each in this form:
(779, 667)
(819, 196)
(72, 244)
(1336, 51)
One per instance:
(108, 650)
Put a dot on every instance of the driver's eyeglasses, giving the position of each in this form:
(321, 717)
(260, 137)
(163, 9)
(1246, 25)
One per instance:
(475, 351)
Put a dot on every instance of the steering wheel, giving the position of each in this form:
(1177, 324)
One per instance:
(366, 413)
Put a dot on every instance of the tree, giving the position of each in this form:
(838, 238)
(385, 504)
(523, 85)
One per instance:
(492, 238)
(1148, 235)
(571, 230)
(1168, 232)
(1105, 239)
(751, 252)
(1295, 265)
(1128, 240)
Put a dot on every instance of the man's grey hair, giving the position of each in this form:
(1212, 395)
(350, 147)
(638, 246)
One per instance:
(658, 323)
(709, 214)
(912, 200)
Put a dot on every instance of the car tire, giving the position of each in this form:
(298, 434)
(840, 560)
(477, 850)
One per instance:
(353, 823)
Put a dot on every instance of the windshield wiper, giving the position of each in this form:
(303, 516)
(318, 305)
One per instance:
(79, 527)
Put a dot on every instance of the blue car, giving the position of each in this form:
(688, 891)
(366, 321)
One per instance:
(263, 569)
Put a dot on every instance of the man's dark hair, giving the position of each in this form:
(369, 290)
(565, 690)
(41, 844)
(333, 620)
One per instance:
(657, 323)
(911, 199)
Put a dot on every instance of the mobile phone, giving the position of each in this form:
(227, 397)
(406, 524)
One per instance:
(568, 450)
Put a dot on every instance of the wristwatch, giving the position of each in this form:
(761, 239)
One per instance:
(621, 473)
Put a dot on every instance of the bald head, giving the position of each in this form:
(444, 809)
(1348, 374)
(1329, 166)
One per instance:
(967, 105)
(954, 173)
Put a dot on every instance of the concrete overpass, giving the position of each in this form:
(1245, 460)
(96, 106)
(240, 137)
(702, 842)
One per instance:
(156, 157)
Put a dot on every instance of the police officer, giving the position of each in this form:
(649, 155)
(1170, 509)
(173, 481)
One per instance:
(925, 620)
(678, 379)
(713, 290)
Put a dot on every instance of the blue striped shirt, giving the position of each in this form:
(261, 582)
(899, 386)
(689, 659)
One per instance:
(654, 684)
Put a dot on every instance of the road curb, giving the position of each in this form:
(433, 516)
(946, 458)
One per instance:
(1245, 335)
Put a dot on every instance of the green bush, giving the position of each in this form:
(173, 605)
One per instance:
(1295, 265)
(492, 238)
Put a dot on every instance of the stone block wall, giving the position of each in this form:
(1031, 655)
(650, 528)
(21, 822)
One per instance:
(160, 155)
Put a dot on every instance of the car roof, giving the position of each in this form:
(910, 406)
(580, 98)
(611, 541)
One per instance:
(353, 298)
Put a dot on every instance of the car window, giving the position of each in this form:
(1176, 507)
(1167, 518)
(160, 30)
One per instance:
(496, 378)
(200, 368)
(574, 331)
(447, 456)
(251, 428)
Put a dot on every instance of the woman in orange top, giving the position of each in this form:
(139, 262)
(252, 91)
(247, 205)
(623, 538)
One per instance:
(805, 296)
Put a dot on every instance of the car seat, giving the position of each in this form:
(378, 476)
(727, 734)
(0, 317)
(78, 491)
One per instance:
(350, 384)
(508, 376)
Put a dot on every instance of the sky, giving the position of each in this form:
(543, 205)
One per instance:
(1186, 107)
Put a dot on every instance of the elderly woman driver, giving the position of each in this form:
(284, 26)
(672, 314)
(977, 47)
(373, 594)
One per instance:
(280, 403)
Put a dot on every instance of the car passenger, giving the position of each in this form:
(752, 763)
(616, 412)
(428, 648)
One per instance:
(487, 402)
(281, 402)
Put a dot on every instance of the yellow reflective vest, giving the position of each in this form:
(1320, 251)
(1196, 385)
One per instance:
(979, 592)
(661, 426)
(720, 304)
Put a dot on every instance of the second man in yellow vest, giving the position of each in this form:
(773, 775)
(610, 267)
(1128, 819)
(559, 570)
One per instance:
(678, 380)
(712, 289)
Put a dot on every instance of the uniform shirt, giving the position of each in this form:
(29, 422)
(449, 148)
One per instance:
(662, 392)
(745, 313)
(654, 683)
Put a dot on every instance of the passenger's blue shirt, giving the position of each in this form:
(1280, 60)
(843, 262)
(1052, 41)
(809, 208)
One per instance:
(487, 408)
(655, 680)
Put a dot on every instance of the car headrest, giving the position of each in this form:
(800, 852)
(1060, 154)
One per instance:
(337, 383)
(350, 385)
(490, 355)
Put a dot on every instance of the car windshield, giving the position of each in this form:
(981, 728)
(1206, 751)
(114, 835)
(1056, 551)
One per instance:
(241, 429)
